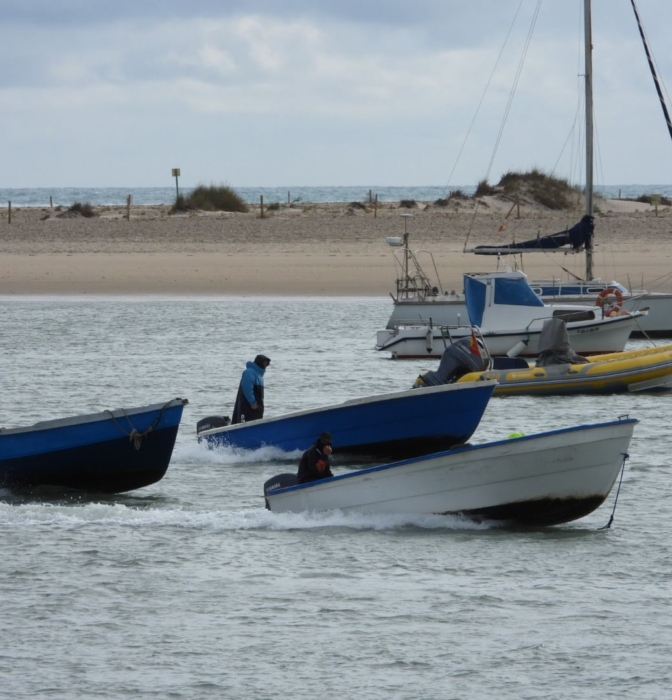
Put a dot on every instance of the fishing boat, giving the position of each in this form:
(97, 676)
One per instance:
(421, 301)
(537, 480)
(106, 452)
(511, 317)
(408, 422)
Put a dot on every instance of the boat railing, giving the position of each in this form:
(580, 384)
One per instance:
(412, 281)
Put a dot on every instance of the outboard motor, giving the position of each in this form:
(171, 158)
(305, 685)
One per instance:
(280, 481)
(458, 359)
(212, 422)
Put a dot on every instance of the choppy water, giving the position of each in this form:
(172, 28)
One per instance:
(190, 589)
(116, 196)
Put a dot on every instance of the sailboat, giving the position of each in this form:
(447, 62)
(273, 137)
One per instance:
(419, 300)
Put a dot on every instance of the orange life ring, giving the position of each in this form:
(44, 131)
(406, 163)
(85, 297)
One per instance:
(612, 299)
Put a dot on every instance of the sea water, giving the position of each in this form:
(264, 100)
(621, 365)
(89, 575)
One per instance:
(189, 588)
(117, 196)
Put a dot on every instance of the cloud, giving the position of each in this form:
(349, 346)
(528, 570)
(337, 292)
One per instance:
(380, 91)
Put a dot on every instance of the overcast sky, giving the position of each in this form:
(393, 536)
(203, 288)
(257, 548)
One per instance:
(98, 93)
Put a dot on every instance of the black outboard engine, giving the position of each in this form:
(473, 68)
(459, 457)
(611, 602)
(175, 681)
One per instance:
(280, 481)
(212, 422)
(458, 359)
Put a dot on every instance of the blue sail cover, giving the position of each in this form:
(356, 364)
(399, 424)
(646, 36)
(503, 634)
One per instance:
(578, 237)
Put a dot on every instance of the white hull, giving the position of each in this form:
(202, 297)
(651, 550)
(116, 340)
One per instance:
(606, 336)
(542, 479)
(452, 311)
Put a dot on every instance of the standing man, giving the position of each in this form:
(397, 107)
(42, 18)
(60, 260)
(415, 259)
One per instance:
(250, 398)
(315, 462)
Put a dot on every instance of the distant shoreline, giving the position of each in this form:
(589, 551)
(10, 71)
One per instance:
(39, 197)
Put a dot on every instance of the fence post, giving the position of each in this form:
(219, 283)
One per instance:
(287, 197)
(51, 202)
(128, 208)
(9, 218)
(375, 207)
(261, 198)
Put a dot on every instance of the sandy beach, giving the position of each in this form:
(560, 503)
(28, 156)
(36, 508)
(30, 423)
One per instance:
(321, 249)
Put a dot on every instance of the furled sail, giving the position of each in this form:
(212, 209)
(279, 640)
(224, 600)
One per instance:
(577, 238)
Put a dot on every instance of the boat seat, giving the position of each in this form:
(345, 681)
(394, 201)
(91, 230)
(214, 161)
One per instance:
(510, 363)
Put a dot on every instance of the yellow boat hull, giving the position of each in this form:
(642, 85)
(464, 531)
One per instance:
(630, 371)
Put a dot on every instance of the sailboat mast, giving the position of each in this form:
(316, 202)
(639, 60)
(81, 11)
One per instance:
(588, 36)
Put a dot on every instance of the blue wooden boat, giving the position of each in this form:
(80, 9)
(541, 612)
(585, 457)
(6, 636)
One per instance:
(106, 452)
(413, 422)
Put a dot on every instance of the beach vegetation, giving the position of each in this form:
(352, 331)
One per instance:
(408, 203)
(274, 207)
(548, 190)
(457, 194)
(83, 208)
(210, 198)
(484, 189)
(652, 199)
(357, 205)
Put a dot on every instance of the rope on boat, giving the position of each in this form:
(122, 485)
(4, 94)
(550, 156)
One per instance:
(134, 436)
(626, 456)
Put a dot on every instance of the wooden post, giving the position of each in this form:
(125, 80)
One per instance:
(370, 197)
(287, 197)
(9, 218)
(51, 202)
(128, 208)
(262, 205)
(655, 198)
(176, 174)
(375, 207)
(619, 192)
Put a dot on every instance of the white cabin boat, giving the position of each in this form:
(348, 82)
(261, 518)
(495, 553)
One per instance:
(511, 317)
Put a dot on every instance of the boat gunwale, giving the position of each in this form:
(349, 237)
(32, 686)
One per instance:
(117, 413)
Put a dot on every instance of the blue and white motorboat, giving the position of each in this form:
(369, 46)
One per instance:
(511, 316)
(106, 452)
(537, 480)
(411, 422)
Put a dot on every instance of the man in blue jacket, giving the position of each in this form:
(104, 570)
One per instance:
(250, 399)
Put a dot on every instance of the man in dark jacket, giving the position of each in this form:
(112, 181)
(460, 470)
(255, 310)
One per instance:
(315, 462)
(250, 399)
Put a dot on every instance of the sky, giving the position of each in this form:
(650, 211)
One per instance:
(95, 93)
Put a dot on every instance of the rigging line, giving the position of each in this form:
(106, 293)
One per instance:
(653, 69)
(626, 456)
(487, 85)
(506, 113)
(515, 85)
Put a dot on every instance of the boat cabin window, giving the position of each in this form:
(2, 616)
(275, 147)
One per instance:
(594, 290)
(570, 316)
